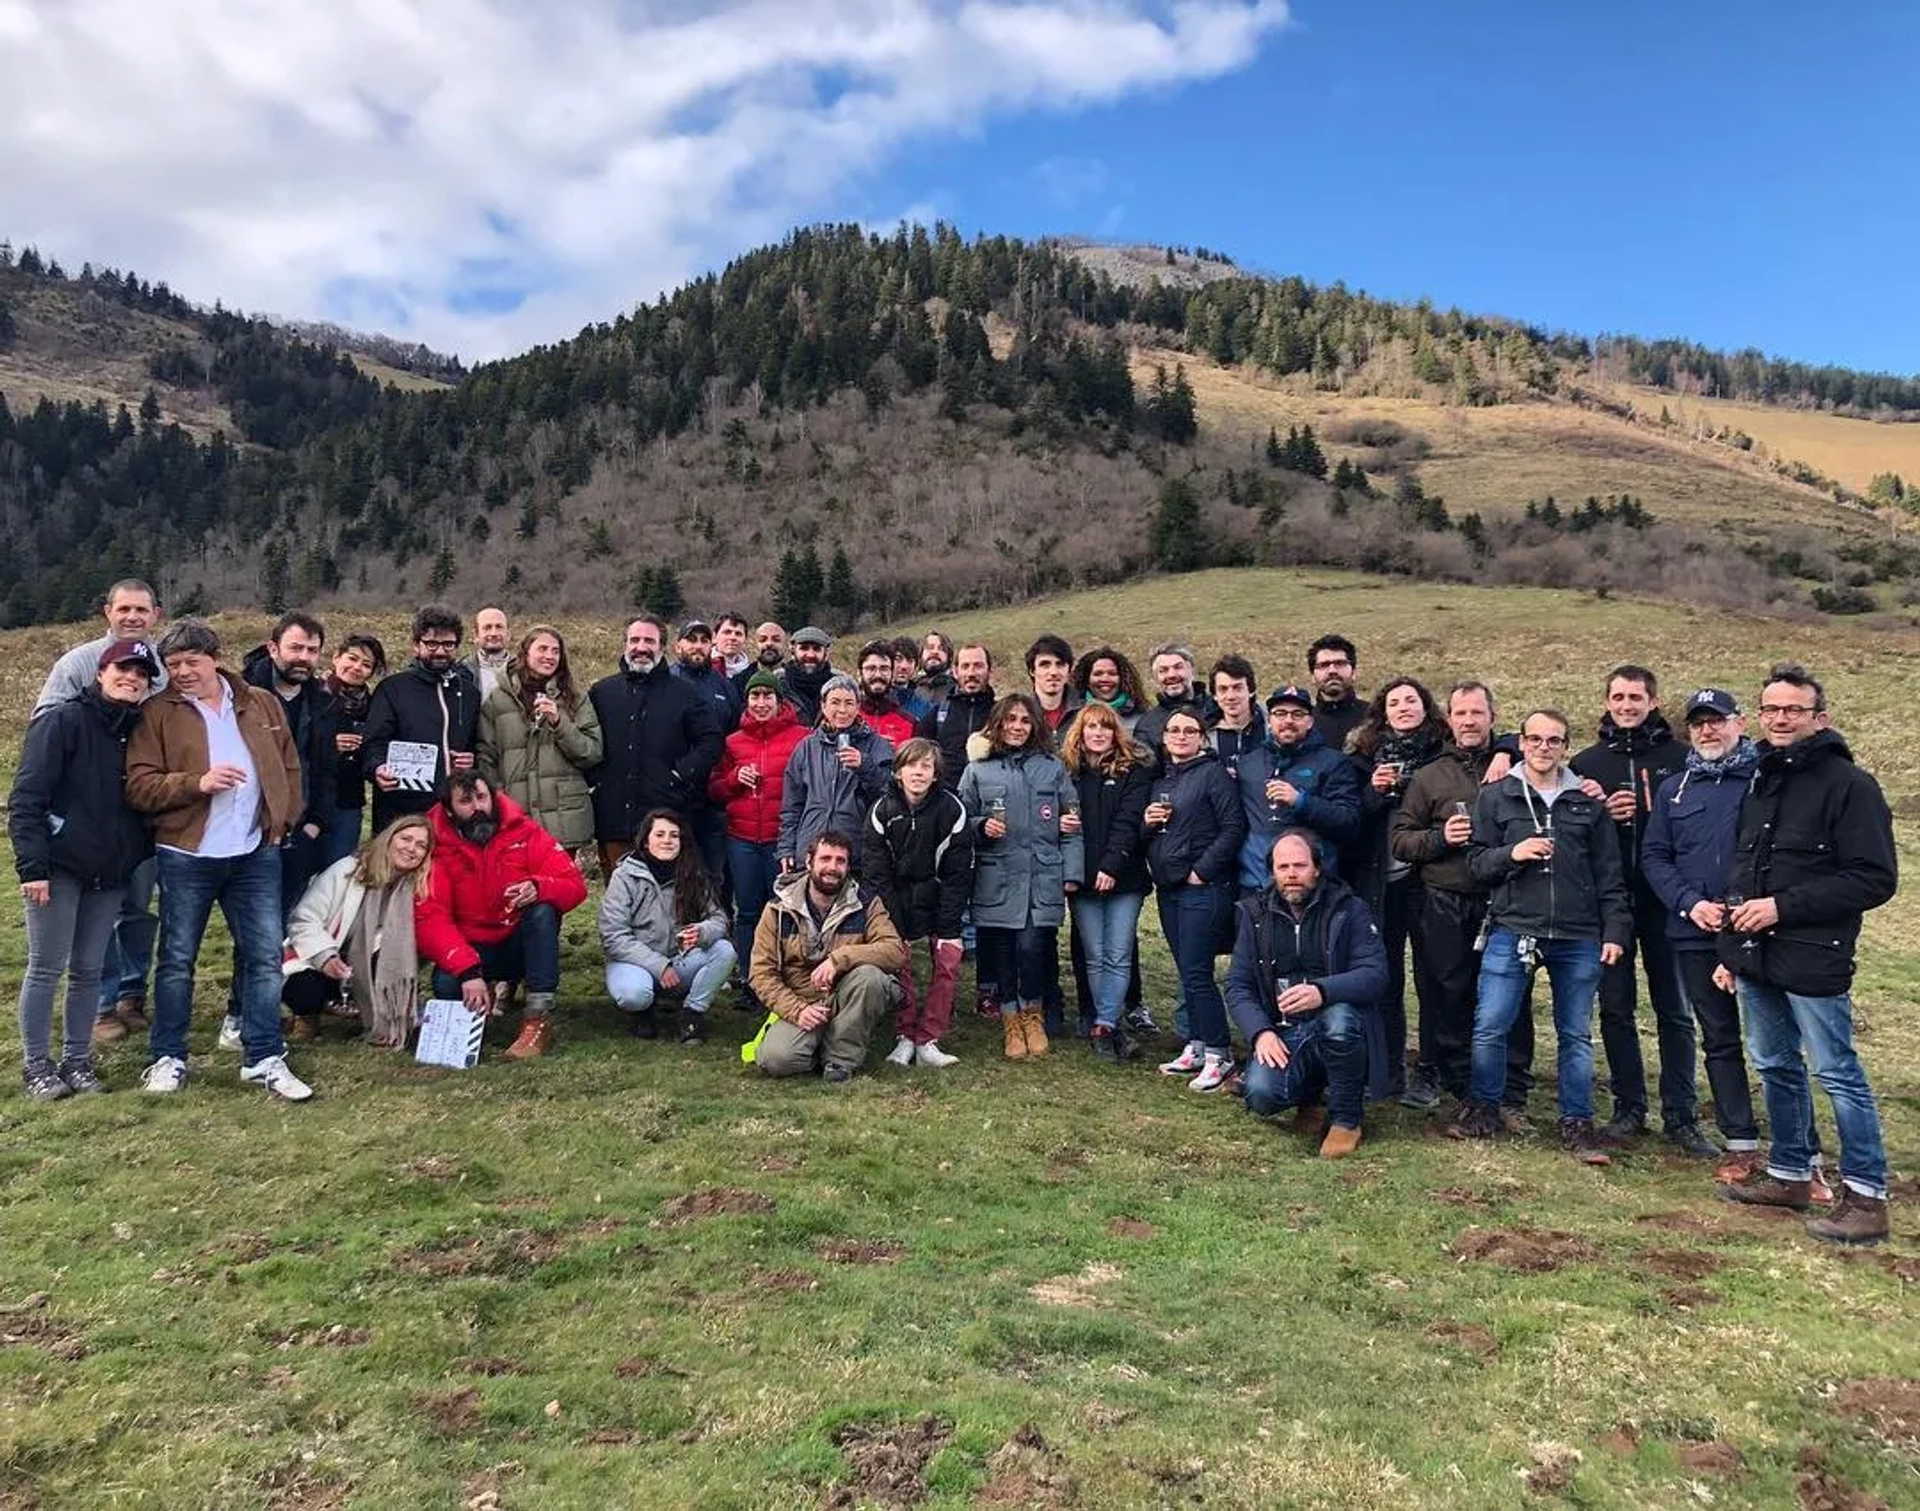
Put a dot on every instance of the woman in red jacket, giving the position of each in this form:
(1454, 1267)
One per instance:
(747, 783)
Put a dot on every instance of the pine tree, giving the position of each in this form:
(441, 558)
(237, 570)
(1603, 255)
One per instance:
(277, 578)
(8, 330)
(445, 569)
(1313, 461)
(1176, 537)
(1275, 455)
(841, 591)
(797, 586)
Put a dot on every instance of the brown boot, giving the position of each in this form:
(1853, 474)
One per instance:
(1014, 1026)
(1853, 1219)
(1310, 1118)
(303, 1029)
(1759, 1189)
(1339, 1142)
(133, 1013)
(1034, 1024)
(536, 1036)
(108, 1030)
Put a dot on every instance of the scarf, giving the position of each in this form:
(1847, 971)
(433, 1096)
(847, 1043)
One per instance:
(353, 700)
(385, 983)
(1737, 762)
(1412, 750)
(662, 870)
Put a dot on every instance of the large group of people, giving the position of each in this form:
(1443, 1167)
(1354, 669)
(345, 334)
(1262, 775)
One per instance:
(770, 825)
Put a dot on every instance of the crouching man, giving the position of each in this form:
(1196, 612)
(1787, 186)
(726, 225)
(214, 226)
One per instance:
(826, 962)
(1307, 976)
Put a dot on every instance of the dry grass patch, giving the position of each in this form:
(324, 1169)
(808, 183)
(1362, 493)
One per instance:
(721, 1201)
(1076, 1290)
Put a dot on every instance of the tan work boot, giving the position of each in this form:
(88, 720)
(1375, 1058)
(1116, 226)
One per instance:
(108, 1030)
(303, 1029)
(1034, 1023)
(536, 1037)
(1339, 1142)
(1852, 1219)
(1015, 1026)
(1759, 1189)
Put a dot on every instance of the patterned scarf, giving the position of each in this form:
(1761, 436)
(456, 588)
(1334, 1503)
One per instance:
(1737, 762)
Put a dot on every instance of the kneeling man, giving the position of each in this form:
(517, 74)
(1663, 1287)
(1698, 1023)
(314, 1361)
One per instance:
(826, 959)
(1305, 985)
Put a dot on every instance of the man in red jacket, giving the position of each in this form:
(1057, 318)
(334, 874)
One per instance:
(492, 910)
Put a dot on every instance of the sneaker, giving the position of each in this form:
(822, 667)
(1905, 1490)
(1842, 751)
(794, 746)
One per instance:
(272, 1074)
(1854, 1219)
(1423, 1091)
(80, 1076)
(43, 1081)
(229, 1034)
(108, 1029)
(1214, 1070)
(164, 1074)
(932, 1054)
(1623, 1126)
(1760, 1189)
(902, 1052)
(837, 1075)
(1690, 1141)
(1139, 1022)
(1474, 1120)
(1100, 1041)
(1190, 1059)
(693, 1028)
(1580, 1138)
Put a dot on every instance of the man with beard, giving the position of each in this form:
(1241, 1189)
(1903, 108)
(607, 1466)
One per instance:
(662, 741)
(878, 705)
(1308, 971)
(490, 653)
(1635, 753)
(693, 663)
(492, 915)
(730, 654)
(1172, 666)
(906, 666)
(807, 673)
(826, 962)
(936, 679)
(431, 702)
(287, 666)
(1049, 669)
(769, 655)
(963, 712)
(1294, 780)
(1332, 663)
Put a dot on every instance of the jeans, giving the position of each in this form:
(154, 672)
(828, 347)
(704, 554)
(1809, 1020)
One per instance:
(247, 888)
(1194, 919)
(123, 972)
(754, 869)
(1673, 1024)
(1779, 1024)
(1106, 924)
(66, 936)
(1325, 1052)
(923, 1020)
(1449, 925)
(1024, 963)
(1573, 970)
(341, 837)
(1718, 1013)
(702, 972)
(531, 953)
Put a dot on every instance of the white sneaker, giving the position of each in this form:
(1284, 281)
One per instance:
(901, 1053)
(229, 1034)
(164, 1074)
(272, 1073)
(932, 1054)
(1213, 1073)
(1189, 1060)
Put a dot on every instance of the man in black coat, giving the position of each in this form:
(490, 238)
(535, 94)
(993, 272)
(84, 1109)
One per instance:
(963, 712)
(288, 667)
(1172, 668)
(807, 673)
(1332, 663)
(1814, 851)
(662, 739)
(431, 701)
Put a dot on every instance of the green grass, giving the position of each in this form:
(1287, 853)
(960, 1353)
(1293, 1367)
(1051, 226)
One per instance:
(372, 1300)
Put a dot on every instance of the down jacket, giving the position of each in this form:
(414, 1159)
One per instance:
(636, 920)
(1207, 829)
(753, 813)
(919, 861)
(1019, 880)
(820, 794)
(463, 905)
(68, 810)
(543, 767)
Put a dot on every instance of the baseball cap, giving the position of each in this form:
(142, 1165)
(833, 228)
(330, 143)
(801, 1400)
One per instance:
(696, 626)
(811, 634)
(122, 652)
(1713, 700)
(1291, 692)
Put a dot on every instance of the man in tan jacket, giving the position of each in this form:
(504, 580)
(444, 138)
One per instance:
(213, 762)
(826, 960)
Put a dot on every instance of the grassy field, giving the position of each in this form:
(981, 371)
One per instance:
(1847, 450)
(631, 1274)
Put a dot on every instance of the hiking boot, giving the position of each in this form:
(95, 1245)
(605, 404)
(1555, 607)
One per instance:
(932, 1054)
(1015, 1033)
(1214, 1070)
(1513, 1120)
(1423, 1091)
(1139, 1022)
(164, 1075)
(987, 1006)
(1854, 1219)
(229, 1034)
(1100, 1041)
(1310, 1119)
(1236, 1085)
(43, 1081)
(1474, 1120)
(1623, 1126)
(1033, 1023)
(536, 1038)
(1690, 1141)
(81, 1078)
(837, 1075)
(693, 1027)
(273, 1076)
(1738, 1164)
(902, 1052)
(1579, 1138)
(132, 1013)
(303, 1029)
(109, 1029)
(1190, 1059)
(1758, 1188)
(1339, 1142)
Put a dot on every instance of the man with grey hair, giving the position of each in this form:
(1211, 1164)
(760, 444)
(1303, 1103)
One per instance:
(1172, 666)
(213, 763)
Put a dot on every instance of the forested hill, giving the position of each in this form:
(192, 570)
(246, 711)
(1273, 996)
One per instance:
(855, 422)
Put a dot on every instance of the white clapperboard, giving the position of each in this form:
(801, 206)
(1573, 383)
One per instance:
(449, 1035)
(416, 767)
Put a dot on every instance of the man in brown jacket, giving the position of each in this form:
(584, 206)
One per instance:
(213, 762)
(826, 960)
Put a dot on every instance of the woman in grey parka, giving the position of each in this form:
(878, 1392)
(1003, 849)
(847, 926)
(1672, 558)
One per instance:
(664, 930)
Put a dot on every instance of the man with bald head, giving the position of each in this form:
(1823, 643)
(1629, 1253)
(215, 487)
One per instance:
(769, 655)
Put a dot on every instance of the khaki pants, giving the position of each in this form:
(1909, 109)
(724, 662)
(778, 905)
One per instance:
(861, 998)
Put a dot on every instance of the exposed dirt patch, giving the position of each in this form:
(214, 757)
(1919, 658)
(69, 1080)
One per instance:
(431, 1167)
(784, 1280)
(611, 1438)
(860, 1250)
(778, 1164)
(1475, 1340)
(720, 1201)
(1076, 1290)
(1901, 1266)
(1552, 1469)
(1689, 1298)
(240, 1248)
(453, 1412)
(1903, 1188)
(1460, 1196)
(1890, 1407)
(1531, 1251)
(637, 1368)
(1820, 1488)
(292, 1487)
(1130, 1227)
(1679, 1264)
(34, 1330)
(491, 1366)
(1025, 1471)
(1623, 1440)
(1678, 1222)
(511, 1251)
(339, 1335)
(888, 1462)
(1711, 1458)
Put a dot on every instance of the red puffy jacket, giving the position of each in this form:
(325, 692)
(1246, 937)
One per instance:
(754, 815)
(464, 902)
(888, 721)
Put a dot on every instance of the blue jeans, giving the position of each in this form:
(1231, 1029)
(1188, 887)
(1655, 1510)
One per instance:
(1106, 923)
(1779, 1024)
(247, 888)
(702, 973)
(754, 869)
(531, 953)
(341, 837)
(1573, 970)
(1327, 1051)
(1194, 919)
(123, 972)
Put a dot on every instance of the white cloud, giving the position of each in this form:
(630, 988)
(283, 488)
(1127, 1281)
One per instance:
(417, 164)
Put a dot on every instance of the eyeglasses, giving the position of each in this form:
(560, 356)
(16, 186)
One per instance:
(440, 645)
(1544, 742)
(1708, 721)
(1288, 712)
(1182, 732)
(1787, 710)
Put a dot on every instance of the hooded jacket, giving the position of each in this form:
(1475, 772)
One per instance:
(727, 700)
(789, 944)
(820, 794)
(1816, 836)
(1641, 758)
(1207, 830)
(637, 920)
(1416, 835)
(919, 861)
(68, 810)
(1327, 804)
(953, 720)
(889, 720)
(167, 756)
(1579, 893)
(1688, 849)
(426, 707)
(313, 718)
(1113, 826)
(1019, 880)
(753, 813)
(543, 766)
(660, 743)
(462, 906)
